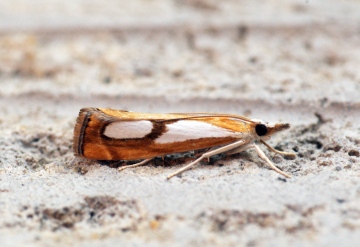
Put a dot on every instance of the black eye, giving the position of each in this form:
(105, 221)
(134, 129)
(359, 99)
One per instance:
(261, 129)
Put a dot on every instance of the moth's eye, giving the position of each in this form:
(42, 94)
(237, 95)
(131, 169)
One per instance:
(261, 129)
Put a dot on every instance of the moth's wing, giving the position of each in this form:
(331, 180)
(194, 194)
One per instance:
(170, 117)
(202, 115)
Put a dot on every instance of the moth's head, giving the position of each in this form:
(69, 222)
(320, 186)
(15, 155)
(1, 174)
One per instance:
(265, 130)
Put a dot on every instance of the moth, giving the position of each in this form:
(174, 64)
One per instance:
(107, 134)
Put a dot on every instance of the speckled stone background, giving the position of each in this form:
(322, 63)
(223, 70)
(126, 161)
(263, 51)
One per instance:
(291, 61)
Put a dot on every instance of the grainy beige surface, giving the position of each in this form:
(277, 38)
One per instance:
(290, 61)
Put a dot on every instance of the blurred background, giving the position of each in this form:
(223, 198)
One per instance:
(286, 51)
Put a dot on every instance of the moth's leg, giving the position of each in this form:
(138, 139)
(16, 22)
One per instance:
(134, 165)
(203, 152)
(238, 149)
(288, 154)
(263, 156)
(207, 155)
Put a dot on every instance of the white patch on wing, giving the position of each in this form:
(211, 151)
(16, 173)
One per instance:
(185, 130)
(128, 129)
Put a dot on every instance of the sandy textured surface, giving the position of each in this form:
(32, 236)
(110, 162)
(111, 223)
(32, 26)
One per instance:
(289, 61)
